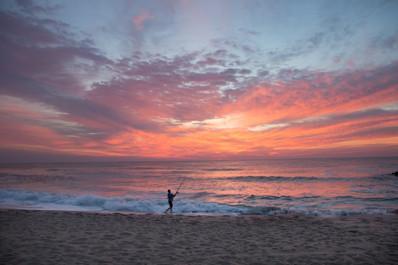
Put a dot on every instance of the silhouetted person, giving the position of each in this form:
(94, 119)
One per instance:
(170, 198)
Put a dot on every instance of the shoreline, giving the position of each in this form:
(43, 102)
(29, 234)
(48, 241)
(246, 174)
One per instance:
(199, 214)
(66, 237)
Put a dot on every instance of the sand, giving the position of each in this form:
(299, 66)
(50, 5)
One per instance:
(50, 237)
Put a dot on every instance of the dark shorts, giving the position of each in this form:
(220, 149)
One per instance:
(171, 204)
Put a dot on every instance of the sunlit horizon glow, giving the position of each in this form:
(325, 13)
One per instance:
(198, 79)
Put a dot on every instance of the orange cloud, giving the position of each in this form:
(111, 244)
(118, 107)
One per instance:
(162, 110)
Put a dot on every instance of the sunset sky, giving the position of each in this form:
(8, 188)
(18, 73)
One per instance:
(182, 79)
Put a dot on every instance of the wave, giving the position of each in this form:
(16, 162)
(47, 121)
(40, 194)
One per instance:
(317, 212)
(193, 205)
(28, 178)
(304, 178)
(113, 204)
(284, 198)
(321, 199)
(274, 178)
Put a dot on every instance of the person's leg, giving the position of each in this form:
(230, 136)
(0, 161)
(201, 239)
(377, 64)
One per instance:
(171, 207)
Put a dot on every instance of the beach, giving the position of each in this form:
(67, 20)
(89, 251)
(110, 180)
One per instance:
(62, 237)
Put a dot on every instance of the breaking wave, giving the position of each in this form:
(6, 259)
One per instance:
(113, 204)
(193, 205)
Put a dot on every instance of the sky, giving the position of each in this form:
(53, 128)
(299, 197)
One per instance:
(184, 79)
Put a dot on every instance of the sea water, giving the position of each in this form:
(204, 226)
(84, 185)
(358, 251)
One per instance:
(324, 187)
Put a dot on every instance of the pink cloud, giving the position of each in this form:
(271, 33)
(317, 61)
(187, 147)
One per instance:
(157, 106)
(140, 19)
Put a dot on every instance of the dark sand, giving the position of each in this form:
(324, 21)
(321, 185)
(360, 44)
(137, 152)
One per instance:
(49, 237)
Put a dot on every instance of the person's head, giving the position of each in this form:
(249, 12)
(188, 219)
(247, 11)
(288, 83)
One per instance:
(168, 191)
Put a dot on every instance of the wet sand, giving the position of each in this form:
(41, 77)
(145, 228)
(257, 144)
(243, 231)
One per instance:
(50, 237)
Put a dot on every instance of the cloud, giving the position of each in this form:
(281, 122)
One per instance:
(389, 42)
(43, 63)
(206, 103)
(30, 7)
(140, 19)
(43, 50)
(266, 127)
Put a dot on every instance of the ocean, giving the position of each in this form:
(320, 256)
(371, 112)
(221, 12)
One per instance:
(322, 187)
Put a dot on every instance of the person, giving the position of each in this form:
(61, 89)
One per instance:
(170, 197)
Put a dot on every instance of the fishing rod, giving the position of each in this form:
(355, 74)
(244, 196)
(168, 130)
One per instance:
(180, 185)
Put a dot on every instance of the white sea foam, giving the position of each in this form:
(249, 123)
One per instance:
(101, 203)
(55, 201)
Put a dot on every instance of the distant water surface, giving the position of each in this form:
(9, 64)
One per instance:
(310, 186)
